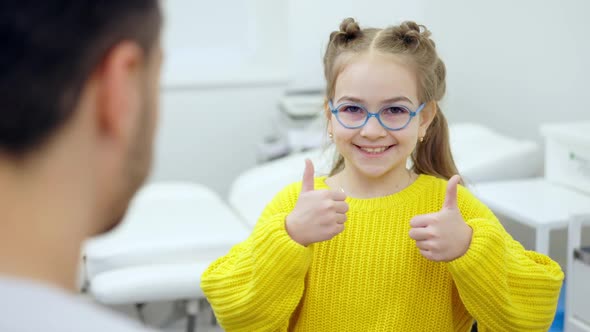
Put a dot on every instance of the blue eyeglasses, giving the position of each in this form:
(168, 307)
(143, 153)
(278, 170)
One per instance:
(391, 117)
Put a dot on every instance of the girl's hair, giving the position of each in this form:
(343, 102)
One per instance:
(412, 44)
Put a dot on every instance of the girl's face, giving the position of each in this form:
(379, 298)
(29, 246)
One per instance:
(376, 81)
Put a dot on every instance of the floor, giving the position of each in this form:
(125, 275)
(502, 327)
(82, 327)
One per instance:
(169, 317)
(162, 316)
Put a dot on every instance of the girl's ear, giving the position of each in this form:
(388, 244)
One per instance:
(327, 110)
(427, 115)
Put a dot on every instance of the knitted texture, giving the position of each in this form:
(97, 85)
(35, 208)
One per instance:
(371, 277)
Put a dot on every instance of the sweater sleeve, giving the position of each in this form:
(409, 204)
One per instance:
(502, 285)
(259, 283)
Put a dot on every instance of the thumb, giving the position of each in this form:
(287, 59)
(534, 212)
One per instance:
(451, 196)
(307, 184)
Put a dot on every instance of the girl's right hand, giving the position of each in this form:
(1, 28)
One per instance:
(318, 215)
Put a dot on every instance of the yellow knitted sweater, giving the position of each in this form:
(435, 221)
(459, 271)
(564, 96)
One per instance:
(371, 277)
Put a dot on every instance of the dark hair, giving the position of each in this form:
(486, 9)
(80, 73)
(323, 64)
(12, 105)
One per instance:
(49, 49)
(411, 42)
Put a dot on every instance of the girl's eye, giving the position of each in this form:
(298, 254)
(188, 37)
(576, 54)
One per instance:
(350, 109)
(395, 110)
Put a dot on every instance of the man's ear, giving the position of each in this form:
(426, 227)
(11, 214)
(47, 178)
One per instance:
(427, 115)
(118, 83)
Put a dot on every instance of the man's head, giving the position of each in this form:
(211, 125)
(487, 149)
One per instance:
(79, 85)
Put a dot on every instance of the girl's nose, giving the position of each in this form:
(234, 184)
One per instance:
(373, 129)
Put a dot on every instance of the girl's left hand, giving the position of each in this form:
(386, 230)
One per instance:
(442, 236)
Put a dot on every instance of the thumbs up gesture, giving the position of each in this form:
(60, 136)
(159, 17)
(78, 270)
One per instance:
(442, 236)
(318, 215)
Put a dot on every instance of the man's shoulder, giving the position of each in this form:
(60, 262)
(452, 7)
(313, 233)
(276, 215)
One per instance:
(30, 306)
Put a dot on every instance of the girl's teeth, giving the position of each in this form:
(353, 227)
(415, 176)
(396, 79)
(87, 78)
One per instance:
(375, 150)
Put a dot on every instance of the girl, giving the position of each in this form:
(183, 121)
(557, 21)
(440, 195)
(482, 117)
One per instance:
(376, 246)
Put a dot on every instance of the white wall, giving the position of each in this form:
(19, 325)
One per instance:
(225, 42)
(514, 64)
(209, 135)
(511, 65)
(223, 75)
(311, 22)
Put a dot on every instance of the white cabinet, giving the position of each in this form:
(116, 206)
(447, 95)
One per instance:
(577, 312)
